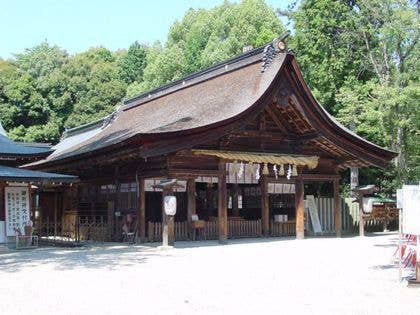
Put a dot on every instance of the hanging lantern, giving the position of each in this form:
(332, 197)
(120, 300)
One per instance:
(275, 170)
(289, 172)
(281, 170)
(265, 169)
(294, 171)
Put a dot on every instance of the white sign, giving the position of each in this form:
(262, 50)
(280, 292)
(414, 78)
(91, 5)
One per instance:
(313, 212)
(169, 204)
(411, 209)
(17, 209)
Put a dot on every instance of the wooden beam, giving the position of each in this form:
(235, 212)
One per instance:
(191, 202)
(276, 119)
(300, 209)
(222, 204)
(318, 177)
(265, 208)
(337, 208)
(141, 224)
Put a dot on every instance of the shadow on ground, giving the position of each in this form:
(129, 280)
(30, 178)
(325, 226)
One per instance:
(89, 257)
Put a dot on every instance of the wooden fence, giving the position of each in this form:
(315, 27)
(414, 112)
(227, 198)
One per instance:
(96, 228)
(350, 216)
(244, 228)
(282, 228)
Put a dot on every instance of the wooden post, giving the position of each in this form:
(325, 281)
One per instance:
(354, 180)
(222, 204)
(300, 209)
(141, 224)
(337, 209)
(117, 200)
(168, 229)
(361, 219)
(55, 213)
(191, 198)
(235, 201)
(165, 238)
(209, 199)
(191, 203)
(265, 211)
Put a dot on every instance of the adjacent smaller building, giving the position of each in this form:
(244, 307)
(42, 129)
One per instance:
(16, 184)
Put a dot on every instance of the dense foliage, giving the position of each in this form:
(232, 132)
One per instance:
(360, 58)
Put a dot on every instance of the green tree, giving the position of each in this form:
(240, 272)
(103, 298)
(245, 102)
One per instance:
(207, 36)
(131, 64)
(92, 81)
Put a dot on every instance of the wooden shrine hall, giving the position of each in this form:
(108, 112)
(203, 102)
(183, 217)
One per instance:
(241, 138)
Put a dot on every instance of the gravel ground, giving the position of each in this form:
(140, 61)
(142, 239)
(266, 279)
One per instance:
(252, 276)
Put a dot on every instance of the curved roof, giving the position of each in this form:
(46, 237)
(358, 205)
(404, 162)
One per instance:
(15, 149)
(22, 175)
(214, 97)
(205, 100)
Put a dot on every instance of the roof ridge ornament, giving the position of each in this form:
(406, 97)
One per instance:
(278, 45)
(110, 118)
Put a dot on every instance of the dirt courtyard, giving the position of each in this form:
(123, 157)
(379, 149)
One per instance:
(250, 276)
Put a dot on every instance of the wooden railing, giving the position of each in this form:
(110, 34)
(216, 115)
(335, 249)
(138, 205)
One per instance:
(244, 228)
(282, 228)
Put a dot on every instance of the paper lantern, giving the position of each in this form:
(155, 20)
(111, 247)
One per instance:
(169, 204)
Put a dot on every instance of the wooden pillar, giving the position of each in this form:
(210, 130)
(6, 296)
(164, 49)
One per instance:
(55, 212)
(191, 208)
(235, 202)
(337, 208)
(300, 209)
(209, 199)
(117, 201)
(141, 225)
(222, 204)
(265, 208)
(361, 219)
(191, 198)
(167, 224)
(354, 180)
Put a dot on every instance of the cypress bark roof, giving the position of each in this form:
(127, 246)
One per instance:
(200, 103)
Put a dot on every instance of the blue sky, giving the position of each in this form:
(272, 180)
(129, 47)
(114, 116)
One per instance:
(76, 25)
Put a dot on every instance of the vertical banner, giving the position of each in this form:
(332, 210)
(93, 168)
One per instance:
(17, 209)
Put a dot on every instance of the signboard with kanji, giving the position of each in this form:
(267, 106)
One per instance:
(17, 209)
